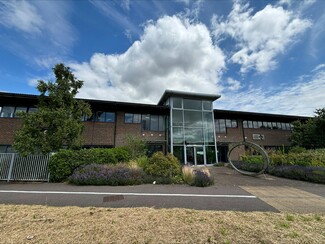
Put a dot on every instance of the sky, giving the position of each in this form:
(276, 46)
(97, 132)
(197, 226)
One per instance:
(260, 56)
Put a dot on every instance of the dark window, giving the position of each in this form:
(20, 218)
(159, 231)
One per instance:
(7, 112)
(177, 117)
(32, 110)
(145, 121)
(137, 118)
(207, 105)
(177, 102)
(192, 104)
(128, 118)
(132, 118)
(20, 109)
(152, 148)
(105, 116)
(154, 123)
(161, 123)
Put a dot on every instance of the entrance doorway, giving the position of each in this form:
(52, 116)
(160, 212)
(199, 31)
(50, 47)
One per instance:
(195, 155)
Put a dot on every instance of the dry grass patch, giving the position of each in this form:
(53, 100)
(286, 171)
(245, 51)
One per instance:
(42, 224)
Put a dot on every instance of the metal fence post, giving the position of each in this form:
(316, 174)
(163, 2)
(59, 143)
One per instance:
(11, 166)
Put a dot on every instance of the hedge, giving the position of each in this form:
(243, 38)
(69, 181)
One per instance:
(64, 162)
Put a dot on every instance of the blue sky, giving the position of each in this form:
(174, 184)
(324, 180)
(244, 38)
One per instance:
(260, 56)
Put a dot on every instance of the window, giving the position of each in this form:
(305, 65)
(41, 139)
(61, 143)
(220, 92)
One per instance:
(161, 123)
(7, 112)
(105, 116)
(177, 102)
(20, 109)
(177, 117)
(192, 104)
(145, 121)
(207, 105)
(222, 124)
(32, 110)
(193, 118)
(154, 120)
(132, 118)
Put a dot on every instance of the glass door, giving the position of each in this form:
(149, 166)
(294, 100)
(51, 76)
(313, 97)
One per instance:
(195, 155)
(199, 155)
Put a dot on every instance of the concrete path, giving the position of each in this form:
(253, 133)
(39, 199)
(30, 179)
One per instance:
(232, 191)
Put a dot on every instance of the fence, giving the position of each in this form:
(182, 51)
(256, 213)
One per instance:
(14, 167)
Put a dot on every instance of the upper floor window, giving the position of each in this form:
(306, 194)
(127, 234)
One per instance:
(223, 124)
(153, 122)
(192, 104)
(7, 112)
(132, 118)
(105, 116)
(266, 125)
(12, 111)
(100, 116)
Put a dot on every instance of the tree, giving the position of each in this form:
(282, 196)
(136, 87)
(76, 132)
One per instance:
(135, 145)
(310, 134)
(57, 121)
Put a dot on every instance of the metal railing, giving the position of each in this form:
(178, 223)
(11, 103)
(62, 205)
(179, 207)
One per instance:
(14, 167)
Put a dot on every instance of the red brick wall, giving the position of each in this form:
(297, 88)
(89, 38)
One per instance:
(8, 126)
(98, 133)
(272, 137)
(123, 129)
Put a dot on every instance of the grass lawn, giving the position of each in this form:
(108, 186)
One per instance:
(43, 224)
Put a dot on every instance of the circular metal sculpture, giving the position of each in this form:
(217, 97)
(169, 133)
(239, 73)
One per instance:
(256, 148)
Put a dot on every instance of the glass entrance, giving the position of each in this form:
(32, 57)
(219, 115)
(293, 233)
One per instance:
(195, 155)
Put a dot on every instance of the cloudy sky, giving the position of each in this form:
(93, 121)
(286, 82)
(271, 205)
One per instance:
(260, 56)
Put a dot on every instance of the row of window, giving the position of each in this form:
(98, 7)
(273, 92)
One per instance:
(12, 111)
(180, 103)
(266, 125)
(148, 121)
(223, 124)
(100, 116)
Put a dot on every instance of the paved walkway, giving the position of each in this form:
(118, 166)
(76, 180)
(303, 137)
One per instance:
(285, 195)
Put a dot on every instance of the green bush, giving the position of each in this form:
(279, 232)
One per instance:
(121, 154)
(163, 166)
(64, 162)
(255, 159)
(304, 158)
(309, 173)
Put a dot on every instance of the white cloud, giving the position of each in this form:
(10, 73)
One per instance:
(260, 37)
(171, 54)
(111, 13)
(21, 15)
(46, 33)
(319, 67)
(302, 98)
(126, 4)
(234, 85)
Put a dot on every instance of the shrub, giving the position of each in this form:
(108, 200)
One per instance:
(64, 162)
(188, 174)
(306, 158)
(136, 146)
(163, 166)
(197, 177)
(114, 175)
(312, 174)
(121, 154)
(202, 178)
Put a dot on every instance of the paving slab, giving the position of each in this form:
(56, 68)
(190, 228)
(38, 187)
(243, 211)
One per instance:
(288, 199)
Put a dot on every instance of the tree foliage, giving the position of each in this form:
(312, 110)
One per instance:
(57, 121)
(310, 134)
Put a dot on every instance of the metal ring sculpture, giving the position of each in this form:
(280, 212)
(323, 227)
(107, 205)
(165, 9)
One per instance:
(266, 159)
